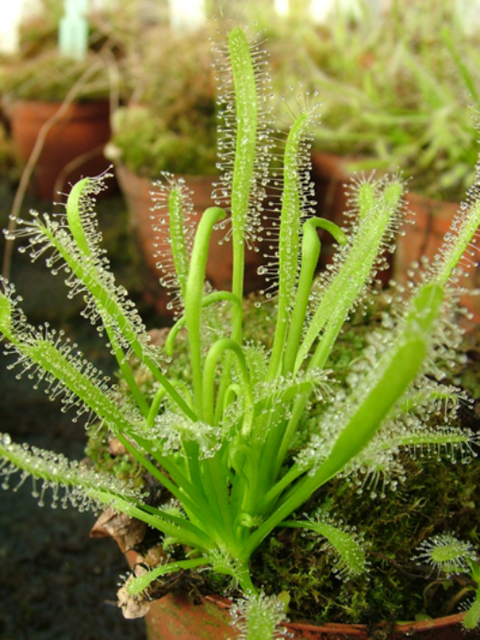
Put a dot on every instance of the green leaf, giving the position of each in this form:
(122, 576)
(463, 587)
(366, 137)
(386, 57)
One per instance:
(472, 616)
(177, 235)
(350, 554)
(388, 382)
(138, 584)
(75, 203)
(5, 315)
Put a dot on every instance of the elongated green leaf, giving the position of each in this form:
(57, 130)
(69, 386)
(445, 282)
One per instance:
(193, 298)
(378, 217)
(140, 583)
(74, 206)
(81, 485)
(177, 235)
(389, 381)
(5, 315)
(351, 556)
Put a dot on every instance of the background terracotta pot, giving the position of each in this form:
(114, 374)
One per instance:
(331, 177)
(432, 220)
(73, 146)
(137, 191)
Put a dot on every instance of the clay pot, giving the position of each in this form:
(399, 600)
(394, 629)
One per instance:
(137, 191)
(432, 220)
(331, 177)
(73, 146)
(176, 616)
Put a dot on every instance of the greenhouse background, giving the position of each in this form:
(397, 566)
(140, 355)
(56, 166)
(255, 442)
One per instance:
(191, 13)
(397, 84)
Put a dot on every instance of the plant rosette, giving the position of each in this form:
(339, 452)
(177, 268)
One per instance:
(231, 440)
(188, 611)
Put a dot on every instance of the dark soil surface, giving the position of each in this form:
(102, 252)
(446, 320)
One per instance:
(55, 582)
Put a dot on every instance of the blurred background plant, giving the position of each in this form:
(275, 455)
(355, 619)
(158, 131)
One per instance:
(401, 91)
(50, 77)
(169, 123)
(40, 70)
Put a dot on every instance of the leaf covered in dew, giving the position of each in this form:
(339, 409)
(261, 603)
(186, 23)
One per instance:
(82, 487)
(446, 554)
(472, 614)
(258, 617)
(173, 225)
(344, 544)
(5, 313)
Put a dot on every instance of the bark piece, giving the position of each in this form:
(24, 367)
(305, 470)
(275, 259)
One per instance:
(116, 448)
(133, 606)
(126, 531)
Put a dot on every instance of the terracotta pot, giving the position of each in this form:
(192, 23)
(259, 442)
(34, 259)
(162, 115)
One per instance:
(73, 147)
(433, 218)
(137, 191)
(175, 616)
(331, 177)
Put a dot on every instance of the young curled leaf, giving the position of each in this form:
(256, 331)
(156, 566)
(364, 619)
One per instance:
(342, 542)
(259, 617)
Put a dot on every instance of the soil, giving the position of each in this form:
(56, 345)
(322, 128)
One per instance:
(56, 582)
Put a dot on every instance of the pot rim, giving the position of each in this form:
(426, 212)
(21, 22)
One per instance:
(358, 629)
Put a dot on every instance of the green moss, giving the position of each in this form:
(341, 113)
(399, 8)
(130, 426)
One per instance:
(50, 77)
(171, 126)
(144, 142)
(394, 588)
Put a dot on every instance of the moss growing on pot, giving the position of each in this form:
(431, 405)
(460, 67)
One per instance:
(148, 144)
(49, 77)
(170, 123)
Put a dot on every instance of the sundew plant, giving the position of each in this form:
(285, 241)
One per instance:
(230, 444)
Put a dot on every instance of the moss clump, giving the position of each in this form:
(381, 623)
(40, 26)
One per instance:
(395, 588)
(50, 76)
(146, 143)
(170, 125)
